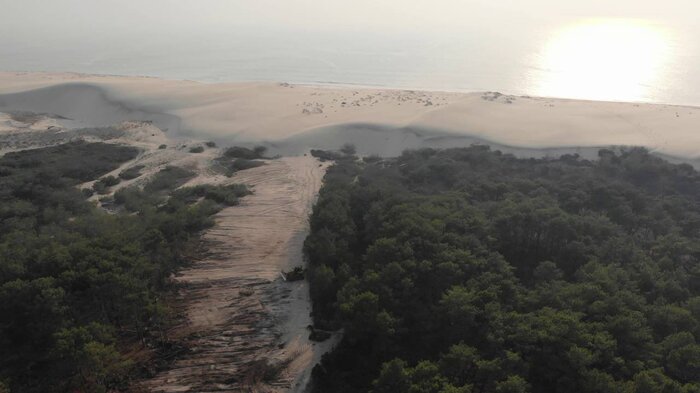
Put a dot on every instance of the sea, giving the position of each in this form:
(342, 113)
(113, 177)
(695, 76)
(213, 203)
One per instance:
(617, 55)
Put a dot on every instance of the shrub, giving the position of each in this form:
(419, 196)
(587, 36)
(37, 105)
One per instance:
(106, 200)
(196, 149)
(169, 178)
(244, 152)
(243, 164)
(260, 151)
(348, 149)
(238, 158)
(110, 180)
(88, 160)
(135, 200)
(131, 173)
(319, 335)
(326, 155)
(296, 274)
(99, 187)
(226, 195)
(102, 185)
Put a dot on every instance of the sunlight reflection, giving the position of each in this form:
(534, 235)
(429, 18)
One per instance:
(604, 59)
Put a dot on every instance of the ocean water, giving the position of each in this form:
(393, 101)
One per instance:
(650, 56)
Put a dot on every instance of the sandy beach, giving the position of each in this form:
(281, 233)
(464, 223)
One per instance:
(293, 117)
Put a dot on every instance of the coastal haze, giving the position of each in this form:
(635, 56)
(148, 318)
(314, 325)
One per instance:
(198, 177)
(626, 51)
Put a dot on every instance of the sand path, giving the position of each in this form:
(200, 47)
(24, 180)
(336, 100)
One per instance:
(238, 308)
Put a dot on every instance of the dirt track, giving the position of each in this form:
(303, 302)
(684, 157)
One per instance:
(240, 313)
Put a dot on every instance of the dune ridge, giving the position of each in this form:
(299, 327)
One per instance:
(287, 116)
(86, 103)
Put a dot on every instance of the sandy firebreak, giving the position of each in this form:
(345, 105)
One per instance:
(241, 314)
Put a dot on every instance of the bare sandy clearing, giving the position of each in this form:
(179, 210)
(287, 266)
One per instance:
(239, 311)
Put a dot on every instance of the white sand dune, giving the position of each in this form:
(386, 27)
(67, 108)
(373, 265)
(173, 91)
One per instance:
(83, 102)
(291, 115)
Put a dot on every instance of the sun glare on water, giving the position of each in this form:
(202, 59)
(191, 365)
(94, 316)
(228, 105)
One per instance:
(603, 59)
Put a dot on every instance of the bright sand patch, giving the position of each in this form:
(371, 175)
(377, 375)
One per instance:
(250, 112)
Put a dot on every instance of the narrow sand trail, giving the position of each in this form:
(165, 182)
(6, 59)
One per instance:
(240, 313)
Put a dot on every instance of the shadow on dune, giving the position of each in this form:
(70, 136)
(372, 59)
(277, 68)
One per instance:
(390, 141)
(93, 107)
(86, 103)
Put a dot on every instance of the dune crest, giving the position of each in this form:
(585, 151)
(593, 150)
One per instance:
(278, 112)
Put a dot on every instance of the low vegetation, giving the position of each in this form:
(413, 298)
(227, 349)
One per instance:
(103, 185)
(169, 196)
(468, 270)
(347, 151)
(327, 155)
(255, 153)
(79, 286)
(168, 178)
(131, 173)
(238, 158)
(240, 164)
(296, 274)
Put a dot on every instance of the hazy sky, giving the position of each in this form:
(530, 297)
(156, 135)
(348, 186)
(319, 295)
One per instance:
(628, 49)
(50, 18)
